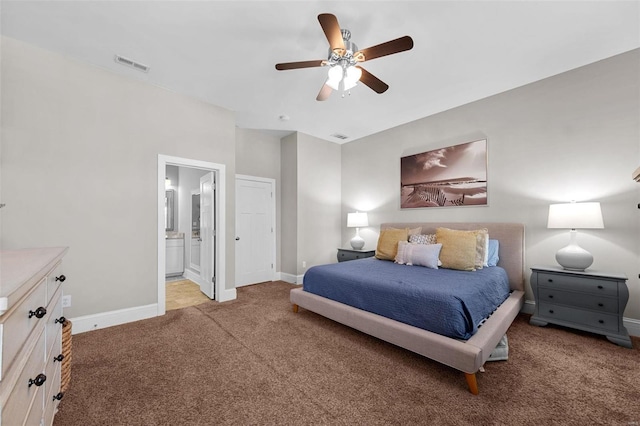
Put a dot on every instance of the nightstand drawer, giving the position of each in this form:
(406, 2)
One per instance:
(589, 301)
(579, 317)
(578, 283)
(346, 254)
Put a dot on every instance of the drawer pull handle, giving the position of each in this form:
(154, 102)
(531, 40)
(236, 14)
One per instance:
(61, 320)
(550, 311)
(551, 296)
(601, 321)
(550, 280)
(601, 304)
(38, 381)
(61, 278)
(58, 396)
(58, 358)
(38, 313)
(600, 287)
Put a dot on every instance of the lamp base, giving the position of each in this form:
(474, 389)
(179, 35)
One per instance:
(573, 257)
(357, 243)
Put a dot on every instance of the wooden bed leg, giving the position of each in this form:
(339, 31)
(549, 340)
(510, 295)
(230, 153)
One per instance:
(472, 382)
(295, 308)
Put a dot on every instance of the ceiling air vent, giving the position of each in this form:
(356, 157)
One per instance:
(339, 136)
(128, 62)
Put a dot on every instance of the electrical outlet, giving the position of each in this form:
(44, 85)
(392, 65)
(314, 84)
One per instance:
(66, 301)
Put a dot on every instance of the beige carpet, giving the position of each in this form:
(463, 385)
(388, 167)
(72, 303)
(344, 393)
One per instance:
(253, 361)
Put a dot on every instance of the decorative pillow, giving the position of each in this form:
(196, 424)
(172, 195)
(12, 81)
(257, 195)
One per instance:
(423, 239)
(482, 240)
(494, 245)
(458, 248)
(418, 254)
(388, 242)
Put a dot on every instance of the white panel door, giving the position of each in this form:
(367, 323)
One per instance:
(255, 238)
(207, 234)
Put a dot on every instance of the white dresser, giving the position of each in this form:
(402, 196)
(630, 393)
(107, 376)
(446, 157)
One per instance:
(30, 335)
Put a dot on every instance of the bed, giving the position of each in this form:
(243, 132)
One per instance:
(467, 355)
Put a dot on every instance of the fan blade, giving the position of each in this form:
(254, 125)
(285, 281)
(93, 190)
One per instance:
(389, 48)
(331, 28)
(372, 81)
(301, 64)
(324, 93)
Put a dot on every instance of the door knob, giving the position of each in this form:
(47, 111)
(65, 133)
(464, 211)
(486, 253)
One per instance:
(237, 238)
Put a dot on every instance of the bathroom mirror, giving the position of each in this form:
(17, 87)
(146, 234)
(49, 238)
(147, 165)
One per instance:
(195, 231)
(168, 210)
(195, 213)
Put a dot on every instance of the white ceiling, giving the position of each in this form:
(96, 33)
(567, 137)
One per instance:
(224, 52)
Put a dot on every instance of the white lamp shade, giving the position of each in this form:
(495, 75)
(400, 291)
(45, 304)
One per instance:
(575, 216)
(357, 220)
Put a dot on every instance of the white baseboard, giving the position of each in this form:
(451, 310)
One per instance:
(290, 278)
(191, 275)
(632, 325)
(109, 319)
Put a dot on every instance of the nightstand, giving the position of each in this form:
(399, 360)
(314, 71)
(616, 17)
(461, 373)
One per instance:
(352, 254)
(590, 301)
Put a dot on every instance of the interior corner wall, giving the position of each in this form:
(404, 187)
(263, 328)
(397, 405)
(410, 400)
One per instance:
(289, 229)
(258, 154)
(573, 136)
(319, 201)
(80, 152)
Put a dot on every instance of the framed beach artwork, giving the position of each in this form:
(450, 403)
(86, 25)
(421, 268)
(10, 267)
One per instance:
(451, 176)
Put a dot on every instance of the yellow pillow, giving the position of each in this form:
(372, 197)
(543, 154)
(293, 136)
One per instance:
(458, 248)
(388, 242)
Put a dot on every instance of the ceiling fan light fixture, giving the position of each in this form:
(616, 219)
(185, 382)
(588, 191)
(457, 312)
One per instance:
(352, 76)
(334, 77)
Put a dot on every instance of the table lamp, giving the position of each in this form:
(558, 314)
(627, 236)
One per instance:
(573, 216)
(357, 220)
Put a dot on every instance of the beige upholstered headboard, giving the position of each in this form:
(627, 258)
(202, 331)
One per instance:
(510, 235)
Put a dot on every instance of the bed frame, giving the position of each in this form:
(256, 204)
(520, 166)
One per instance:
(467, 356)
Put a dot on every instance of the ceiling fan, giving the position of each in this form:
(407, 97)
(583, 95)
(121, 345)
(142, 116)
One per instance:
(343, 57)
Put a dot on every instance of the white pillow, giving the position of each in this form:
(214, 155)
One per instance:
(418, 254)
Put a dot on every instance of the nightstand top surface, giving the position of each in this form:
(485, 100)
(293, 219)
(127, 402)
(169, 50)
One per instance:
(588, 272)
(356, 250)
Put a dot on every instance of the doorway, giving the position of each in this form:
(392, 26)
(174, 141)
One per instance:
(216, 221)
(255, 230)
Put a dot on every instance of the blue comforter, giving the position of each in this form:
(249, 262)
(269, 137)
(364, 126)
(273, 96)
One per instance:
(444, 301)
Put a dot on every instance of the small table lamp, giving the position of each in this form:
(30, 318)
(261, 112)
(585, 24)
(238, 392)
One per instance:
(573, 216)
(357, 220)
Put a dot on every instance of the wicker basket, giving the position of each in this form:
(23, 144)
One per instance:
(65, 368)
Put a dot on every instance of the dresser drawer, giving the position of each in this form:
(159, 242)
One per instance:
(576, 316)
(51, 401)
(345, 254)
(22, 396)
(54, 329)
(581, 300)
(18, 325)
(54, 280)
(576, 283)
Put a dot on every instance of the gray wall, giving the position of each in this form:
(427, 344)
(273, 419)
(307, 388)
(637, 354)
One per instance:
(80, 152)
(258, 154)
(289, 229)
(574, 136)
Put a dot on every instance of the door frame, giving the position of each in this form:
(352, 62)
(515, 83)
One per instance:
(220, 221)
(272, 182)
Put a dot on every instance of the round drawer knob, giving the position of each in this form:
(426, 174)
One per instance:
(601, 321)
(61, 320)
(38, 313)
(61, 278)
(550, 280)
(58, 396)
(600, 287)
(550, 311)
(551, 296)
(601, 304)
(58, 358)
(38, 381)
